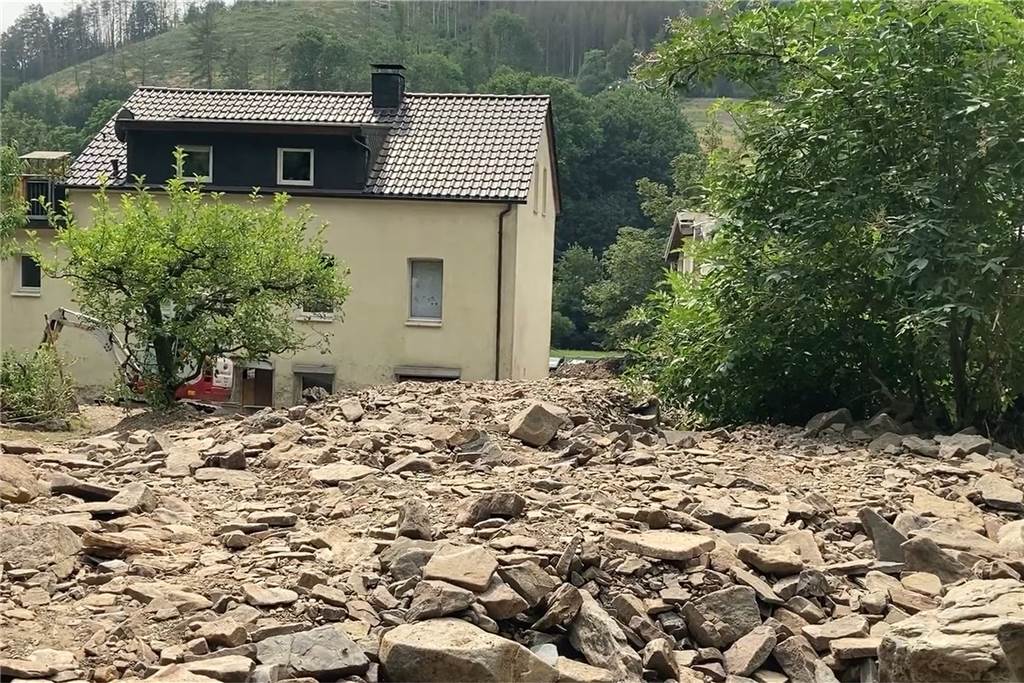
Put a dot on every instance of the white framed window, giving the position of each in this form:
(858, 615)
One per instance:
(294, 166)
(30, 276)
(198, 163)
(426, 290)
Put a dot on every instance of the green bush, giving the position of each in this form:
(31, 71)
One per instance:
(35, 386)
(871, 246)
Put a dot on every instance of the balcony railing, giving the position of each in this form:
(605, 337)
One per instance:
(41, 191)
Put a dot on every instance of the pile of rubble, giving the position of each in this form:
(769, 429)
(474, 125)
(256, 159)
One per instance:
(546, 531)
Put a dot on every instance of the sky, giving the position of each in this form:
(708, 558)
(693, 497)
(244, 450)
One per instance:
(10, 9)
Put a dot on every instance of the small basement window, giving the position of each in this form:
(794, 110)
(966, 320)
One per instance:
(310, 378)
(294, 166)
(426, 290)
(31, 278)
(198, 163)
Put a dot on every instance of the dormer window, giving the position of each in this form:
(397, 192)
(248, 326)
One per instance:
(198, 163)
(294, 166)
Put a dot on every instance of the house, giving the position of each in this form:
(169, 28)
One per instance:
(687, 227)
(441, 205)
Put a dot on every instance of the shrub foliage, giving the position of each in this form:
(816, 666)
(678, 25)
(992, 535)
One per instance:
(871, 245)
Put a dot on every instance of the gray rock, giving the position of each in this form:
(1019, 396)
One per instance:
(137, 497)
(500, 601)
(602, 642)
(960, 641)
(926, 447)
(325, 653)
(432, 599)
(86, 490)
(563, 605)
(747, 654)
(537, 424)
(470, 567)
(721, 618)
(414, 520)
(959, 445)
(230, 669)
(771, 559)
(1000, 493)
(268, 597)
(529, 581)
(850, 626)
(485, 506)
(444, 650)
(822, 421)
(37, 546)
(887, 540)
(18, 484)
(341, 472)
(798, 660)
(882, 423)
(351, 409)
(661, 545)
(924, 555)
(883, 441)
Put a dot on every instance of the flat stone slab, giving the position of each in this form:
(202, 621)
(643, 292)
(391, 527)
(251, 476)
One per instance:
(341, 471)
(661, 545)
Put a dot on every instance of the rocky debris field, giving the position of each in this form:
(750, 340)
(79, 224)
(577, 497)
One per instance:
(545, 531)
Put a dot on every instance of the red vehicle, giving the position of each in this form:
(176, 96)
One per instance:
(212, 385)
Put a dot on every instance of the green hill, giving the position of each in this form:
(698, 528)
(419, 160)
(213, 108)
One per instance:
(264, 30)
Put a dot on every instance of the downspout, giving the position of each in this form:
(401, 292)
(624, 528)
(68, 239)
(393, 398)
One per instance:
(497, 321)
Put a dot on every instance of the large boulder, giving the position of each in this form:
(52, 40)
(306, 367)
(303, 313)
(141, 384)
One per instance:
(326, 653)
(443, 650)
(38, 546)
(976, 634)
(537, 424)
(601, 640)
(721, 618)
(17, 482)
(833, 418)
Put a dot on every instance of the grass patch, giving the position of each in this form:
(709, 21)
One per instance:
(587, 354)
(695, 109)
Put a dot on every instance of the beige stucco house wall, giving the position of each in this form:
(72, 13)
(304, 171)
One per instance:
(373, 336)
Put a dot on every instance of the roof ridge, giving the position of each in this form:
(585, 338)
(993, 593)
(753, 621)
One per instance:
(466, 95)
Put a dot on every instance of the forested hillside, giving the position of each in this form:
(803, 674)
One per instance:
(551, 37)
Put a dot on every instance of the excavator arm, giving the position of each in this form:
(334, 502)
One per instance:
(56, 321)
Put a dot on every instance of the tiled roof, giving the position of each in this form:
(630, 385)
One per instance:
(441, 146)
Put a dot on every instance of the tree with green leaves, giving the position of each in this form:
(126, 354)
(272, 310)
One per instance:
(317, 59)
(593, 76)
(238, 66)
(204, 44)
(12, 205)
(435, 72)
(632, 267)
(576, 270)
(871, 245)
(196, 276)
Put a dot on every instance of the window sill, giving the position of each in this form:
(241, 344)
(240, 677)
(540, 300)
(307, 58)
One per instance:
(294, 183)
(422, 322)
(31, 293)
(314, 317)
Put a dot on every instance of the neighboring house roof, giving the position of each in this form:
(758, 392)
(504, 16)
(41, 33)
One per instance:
(689, 224)
(439, 146)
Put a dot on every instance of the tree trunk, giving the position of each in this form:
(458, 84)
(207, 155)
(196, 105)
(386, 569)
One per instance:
(958, 346)
(163, 350)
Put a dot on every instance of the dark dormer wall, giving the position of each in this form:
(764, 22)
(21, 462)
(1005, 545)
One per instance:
(249, 159)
